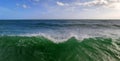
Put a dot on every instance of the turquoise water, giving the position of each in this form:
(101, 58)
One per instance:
(16, 48)
(61, 40)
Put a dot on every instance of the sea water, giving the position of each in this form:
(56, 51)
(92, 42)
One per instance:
(59, 40)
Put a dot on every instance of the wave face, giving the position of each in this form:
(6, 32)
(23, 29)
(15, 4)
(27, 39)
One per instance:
(18, 48)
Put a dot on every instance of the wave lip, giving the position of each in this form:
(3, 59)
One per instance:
(23, 48)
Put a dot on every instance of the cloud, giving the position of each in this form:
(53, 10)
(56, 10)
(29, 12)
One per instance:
(93, 3)
(62, 4)
(23, 5)
(86, 9)
(35, 1)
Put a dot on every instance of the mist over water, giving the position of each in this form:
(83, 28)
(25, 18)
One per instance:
(59, 40)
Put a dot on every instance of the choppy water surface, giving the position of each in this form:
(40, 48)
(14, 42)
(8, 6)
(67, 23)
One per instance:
(60, 40)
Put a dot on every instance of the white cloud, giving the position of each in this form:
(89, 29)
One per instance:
(115, 5)
(35, 0)
(60, 3)
(25, 6)
(22, 6)
(72, 10)
(102, 3)
(94, 2)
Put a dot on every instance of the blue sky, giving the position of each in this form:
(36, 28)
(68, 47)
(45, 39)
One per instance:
(59, 9)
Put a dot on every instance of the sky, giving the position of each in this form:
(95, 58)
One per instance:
(59, 9)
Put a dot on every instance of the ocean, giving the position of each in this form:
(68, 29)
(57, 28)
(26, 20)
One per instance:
(59, 40)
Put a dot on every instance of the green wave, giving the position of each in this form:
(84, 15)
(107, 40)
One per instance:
(18, 48)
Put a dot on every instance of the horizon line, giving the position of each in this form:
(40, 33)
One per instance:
(59, 19)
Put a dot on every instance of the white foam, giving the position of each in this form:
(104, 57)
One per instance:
(63, 34)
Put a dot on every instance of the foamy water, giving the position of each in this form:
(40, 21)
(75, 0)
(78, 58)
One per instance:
(60, 31)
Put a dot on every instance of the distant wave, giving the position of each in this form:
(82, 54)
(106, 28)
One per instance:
(23, 48)
(82, 24)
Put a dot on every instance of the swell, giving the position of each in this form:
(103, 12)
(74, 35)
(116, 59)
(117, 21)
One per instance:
(79, 24)
(19, 48)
